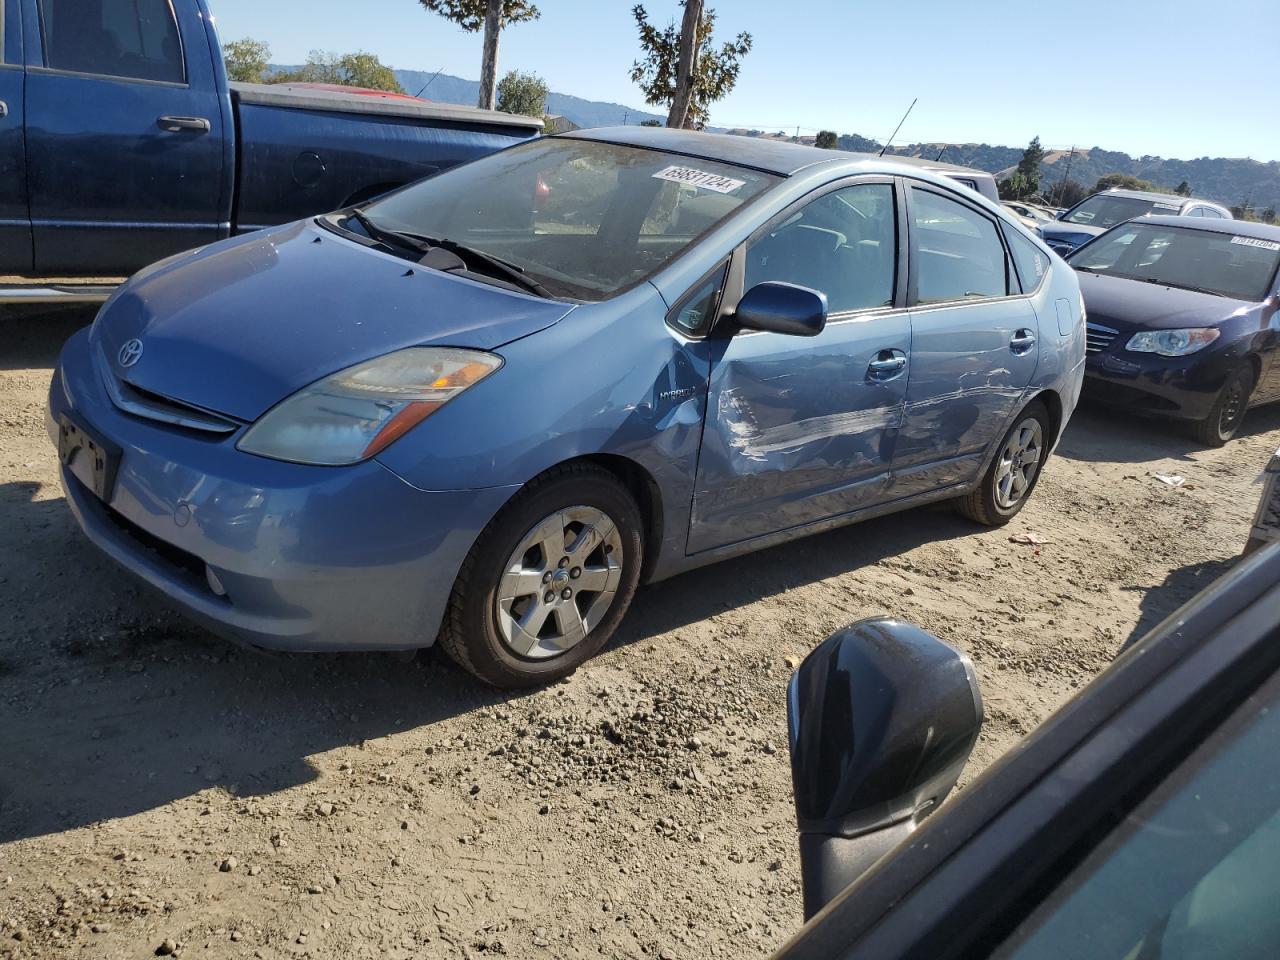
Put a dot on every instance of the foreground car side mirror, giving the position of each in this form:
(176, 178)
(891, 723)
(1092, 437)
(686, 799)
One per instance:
(777, 307)
(882, 717)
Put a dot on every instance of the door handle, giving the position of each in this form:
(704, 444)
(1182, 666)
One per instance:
(887, 364)
(178, 124)
(1022, 342)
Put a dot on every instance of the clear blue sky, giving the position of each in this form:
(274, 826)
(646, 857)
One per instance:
(1120, 74)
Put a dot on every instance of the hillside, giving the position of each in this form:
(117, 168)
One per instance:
(1223, 179)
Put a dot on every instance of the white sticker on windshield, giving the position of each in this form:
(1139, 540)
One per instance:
(1256, 242)
(699, 178)
(1166, 206)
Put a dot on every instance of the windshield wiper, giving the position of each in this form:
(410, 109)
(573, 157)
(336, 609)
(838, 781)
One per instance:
(1181, 286)
(423, 244)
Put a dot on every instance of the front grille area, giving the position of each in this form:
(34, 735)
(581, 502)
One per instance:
(151, 406)
(1098, 337)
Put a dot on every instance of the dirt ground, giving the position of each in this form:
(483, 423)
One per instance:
(162, 791)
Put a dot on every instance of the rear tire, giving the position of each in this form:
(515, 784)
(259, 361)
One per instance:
(1014, 472)
(548, 581)
(1228, 409)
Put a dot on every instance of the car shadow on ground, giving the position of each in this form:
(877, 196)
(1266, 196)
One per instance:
(1100, 434)
(1159, 600)
(33, 336)
(110, 704)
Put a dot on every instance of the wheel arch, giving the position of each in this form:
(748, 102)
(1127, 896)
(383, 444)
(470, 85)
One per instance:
(1053, 403)
(643, 487)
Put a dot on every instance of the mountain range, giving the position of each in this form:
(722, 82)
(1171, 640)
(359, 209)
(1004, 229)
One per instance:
(1227, 180)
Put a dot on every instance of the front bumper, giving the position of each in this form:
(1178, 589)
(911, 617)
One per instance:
(1183, 388)
(307, 558)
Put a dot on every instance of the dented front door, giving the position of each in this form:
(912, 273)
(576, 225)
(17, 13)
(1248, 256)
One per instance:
(800, 429)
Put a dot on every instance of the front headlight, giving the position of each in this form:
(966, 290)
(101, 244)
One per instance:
(354, 413)
(1172, 343)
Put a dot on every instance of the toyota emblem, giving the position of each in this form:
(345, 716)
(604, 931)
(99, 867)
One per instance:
(130, 353)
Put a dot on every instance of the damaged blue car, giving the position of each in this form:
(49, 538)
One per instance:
(484, 408)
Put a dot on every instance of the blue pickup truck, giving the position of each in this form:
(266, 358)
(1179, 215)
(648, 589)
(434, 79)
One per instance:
(122, 141)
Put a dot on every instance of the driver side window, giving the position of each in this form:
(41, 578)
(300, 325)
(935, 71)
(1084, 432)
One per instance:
(843, 244)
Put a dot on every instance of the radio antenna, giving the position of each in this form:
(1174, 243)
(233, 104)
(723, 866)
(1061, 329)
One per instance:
(898, 127)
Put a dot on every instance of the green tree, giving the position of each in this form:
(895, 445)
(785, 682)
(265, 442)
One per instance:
(1268, 215)
(1183, 189)
(247, 60)
(523, 93)
(713, 75)
(359, 69)
(827, 140)
(1112, 181)
(1014, 187)
(650, 123)
(1068, 193)
(1029, 169)
(492, 15)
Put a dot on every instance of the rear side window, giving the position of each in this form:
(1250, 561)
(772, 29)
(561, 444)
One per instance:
(137, 39)
(958, 253)
(1031, 262)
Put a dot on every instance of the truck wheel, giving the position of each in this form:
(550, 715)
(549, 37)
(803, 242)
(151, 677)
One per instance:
(1013, 474)
(1228, 410)
(548, 581)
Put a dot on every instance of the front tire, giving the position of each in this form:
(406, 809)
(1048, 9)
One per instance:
(548, 581)
(1015, 471)
(1228, 410)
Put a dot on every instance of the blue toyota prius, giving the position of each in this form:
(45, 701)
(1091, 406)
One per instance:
(486, 407)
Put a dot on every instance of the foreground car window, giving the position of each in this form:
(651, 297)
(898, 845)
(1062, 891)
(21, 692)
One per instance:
(843, 244)
(1194, 871)
(1104, 211)
(585, 219)
(959, 253)
(1219, 263)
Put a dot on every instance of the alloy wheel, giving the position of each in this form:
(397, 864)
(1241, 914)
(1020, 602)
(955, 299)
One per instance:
(559, 582)
(1019, 461)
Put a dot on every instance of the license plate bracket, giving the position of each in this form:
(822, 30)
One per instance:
(88, 456)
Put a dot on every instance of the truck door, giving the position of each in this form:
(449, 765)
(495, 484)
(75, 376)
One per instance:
(127, 133)
(15, 223)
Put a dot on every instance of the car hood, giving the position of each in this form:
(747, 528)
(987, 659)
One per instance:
(236, 327)
(1073, 233)
(1134, 305)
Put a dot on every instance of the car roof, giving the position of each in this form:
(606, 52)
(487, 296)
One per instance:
(770, 156)
(1238, 228)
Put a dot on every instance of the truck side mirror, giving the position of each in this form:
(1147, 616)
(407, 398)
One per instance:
(882, 717)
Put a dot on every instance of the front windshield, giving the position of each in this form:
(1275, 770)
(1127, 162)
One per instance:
(1102, 210)
(584, 219)
(1242, 268)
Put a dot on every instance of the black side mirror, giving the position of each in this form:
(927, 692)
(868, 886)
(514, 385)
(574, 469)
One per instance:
(778, 307)
(882, 719)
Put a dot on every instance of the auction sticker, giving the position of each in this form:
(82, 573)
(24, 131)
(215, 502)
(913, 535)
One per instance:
(1256, 242)
(1166, 206)
(699, 178)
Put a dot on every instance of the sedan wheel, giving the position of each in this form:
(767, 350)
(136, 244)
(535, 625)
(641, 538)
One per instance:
(1014, 471)
(548, 580)
(1228, 410)
(560, 582)
(1019, 461)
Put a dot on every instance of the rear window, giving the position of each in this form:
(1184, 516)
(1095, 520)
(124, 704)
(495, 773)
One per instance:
(584, 219)
(1102, 210)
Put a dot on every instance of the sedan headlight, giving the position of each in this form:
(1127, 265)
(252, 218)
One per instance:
(1172, 343)
(354, 413)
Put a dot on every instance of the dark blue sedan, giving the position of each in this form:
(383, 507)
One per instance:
(1184, 319)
